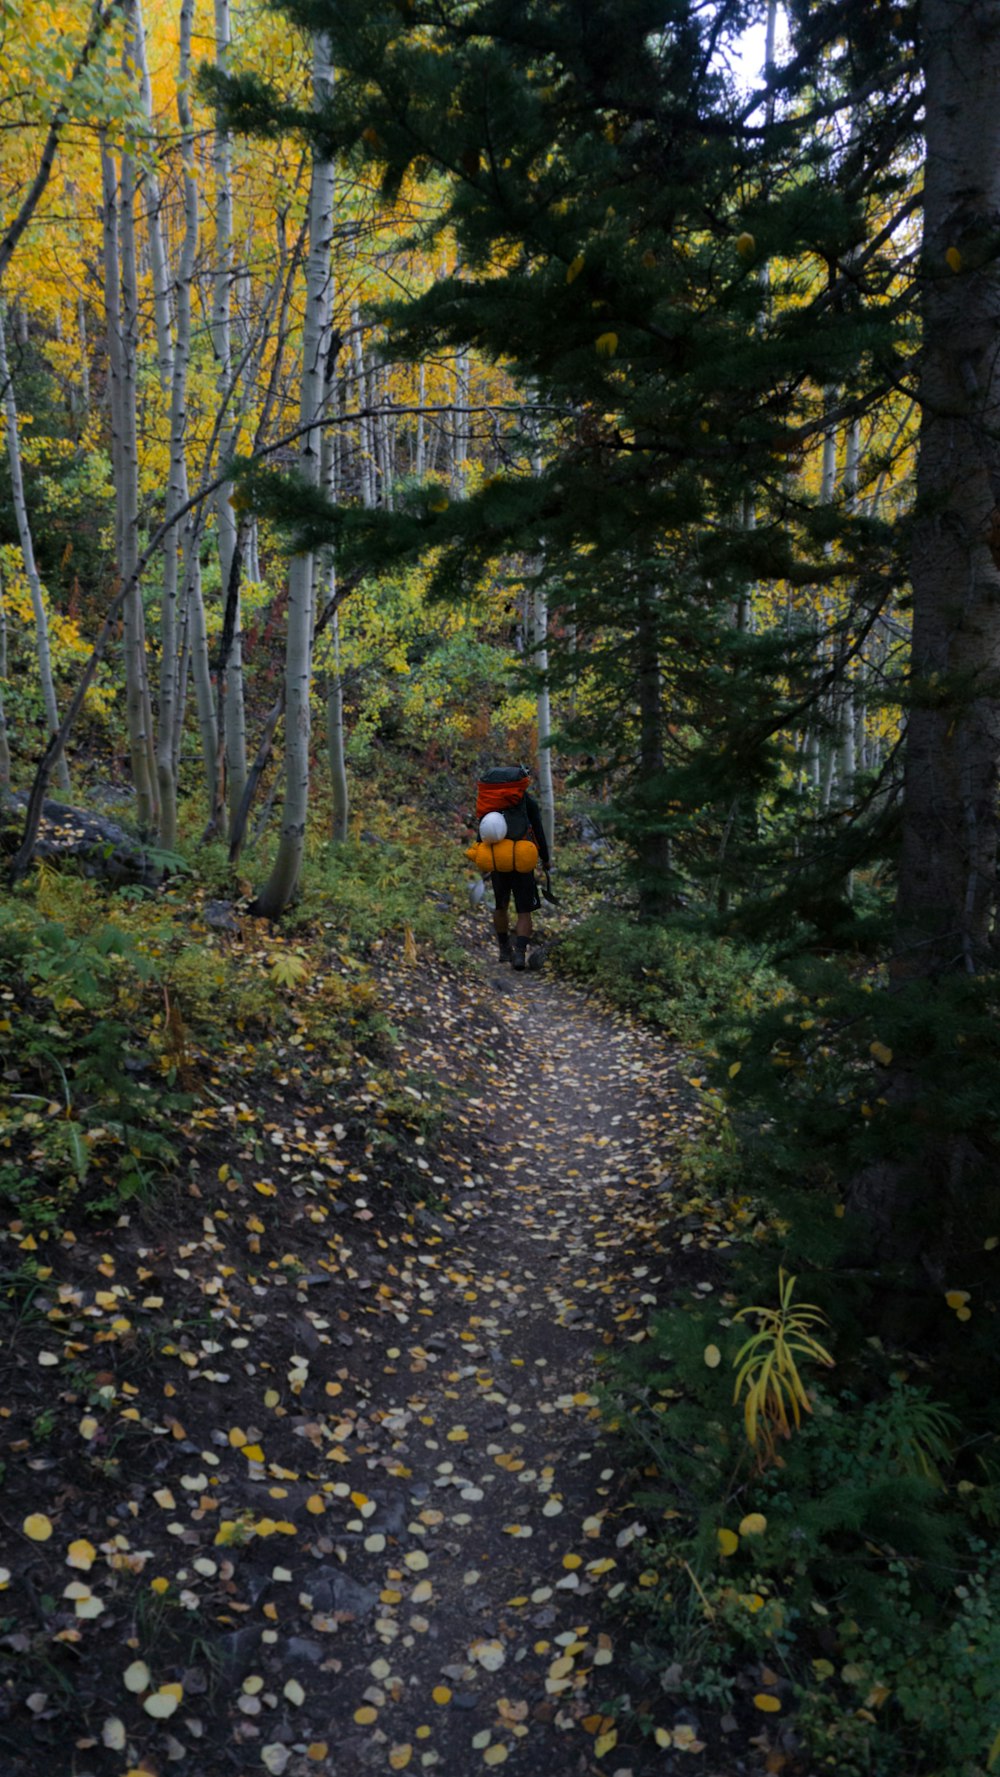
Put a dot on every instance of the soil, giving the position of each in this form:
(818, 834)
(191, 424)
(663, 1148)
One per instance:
(316, 1443)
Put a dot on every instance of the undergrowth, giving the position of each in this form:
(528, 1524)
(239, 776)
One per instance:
(676, 978)
(838, 1573)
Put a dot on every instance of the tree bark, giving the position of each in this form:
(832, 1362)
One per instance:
(28, 552)
(947, 880)
(233, 711)
(173, 355)
(123, 463)
(4, 743)
(945, 905)
(284, 877)
(652, 843)
(340, 794)
(546, 794)
(336, 754)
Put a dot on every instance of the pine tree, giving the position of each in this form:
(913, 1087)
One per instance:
(614, 199)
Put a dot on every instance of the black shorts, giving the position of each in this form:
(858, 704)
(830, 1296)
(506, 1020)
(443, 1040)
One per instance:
(520, 883)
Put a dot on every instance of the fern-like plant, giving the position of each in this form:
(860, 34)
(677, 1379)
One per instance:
(767, 1368)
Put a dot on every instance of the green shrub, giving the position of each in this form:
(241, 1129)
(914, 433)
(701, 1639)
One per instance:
(685, 982)
(851, 1559)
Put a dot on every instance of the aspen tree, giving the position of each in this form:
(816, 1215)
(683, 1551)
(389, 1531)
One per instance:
(172, 360)
(538, 626)
(28, 553)
(4, 743)
(336, 756)
(283, 880)
(125, 473)
(225, 518)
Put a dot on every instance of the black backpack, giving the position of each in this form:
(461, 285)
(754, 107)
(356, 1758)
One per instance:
(498, 789)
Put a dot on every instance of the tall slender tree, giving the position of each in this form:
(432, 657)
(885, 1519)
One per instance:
(283, 879)
(28, 552)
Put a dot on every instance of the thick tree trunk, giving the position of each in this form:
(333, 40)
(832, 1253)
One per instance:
(283, 880)
(947, 882)
(28, 553)
(948, 862)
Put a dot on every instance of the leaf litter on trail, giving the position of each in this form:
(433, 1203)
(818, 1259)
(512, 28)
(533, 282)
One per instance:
(308, 1319)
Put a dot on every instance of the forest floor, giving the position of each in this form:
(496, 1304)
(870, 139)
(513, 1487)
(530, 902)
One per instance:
(314, 1439)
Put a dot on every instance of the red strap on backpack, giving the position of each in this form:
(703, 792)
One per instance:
(490, 797)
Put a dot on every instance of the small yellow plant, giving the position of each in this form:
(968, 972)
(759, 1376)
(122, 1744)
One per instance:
(767, 1368)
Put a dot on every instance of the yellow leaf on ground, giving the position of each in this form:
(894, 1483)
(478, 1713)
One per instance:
(769, 1705)
(728, 1542)
(38, 1527)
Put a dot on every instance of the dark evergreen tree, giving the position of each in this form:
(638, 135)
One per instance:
(676, 272)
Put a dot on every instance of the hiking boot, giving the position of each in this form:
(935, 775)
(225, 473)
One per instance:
(519, 957)
(503, 942)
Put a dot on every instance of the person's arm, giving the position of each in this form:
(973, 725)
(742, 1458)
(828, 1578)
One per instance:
(535, 817)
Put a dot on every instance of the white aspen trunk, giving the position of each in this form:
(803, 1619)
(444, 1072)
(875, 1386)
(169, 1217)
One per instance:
(81, 327)
(846, 761)
(28, 555)
(340, 794)
(536, 627)
(4, 743)
(813, 761)
(284, 877)
(546, 796)
(175, 355)
(158, 259)
(365, 452)
(201, 666)
(234, 717)
(336, 755)
(123, 470)
(130, 432)
(420, 461)
(459, 435)
(385, 453)
(253, 553)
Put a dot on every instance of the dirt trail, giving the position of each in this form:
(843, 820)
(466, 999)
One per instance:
(356, 1441)
(493, 1641)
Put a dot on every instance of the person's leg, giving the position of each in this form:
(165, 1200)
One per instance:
(501, 917)
(524, 895)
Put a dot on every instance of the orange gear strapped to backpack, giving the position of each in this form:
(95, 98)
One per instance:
(505, 855)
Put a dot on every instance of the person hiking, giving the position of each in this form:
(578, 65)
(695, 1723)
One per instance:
(512, 840)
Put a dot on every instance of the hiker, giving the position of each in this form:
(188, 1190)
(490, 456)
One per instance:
(511, 842)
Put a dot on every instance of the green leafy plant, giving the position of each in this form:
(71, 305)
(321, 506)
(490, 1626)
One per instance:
(768, 1368)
